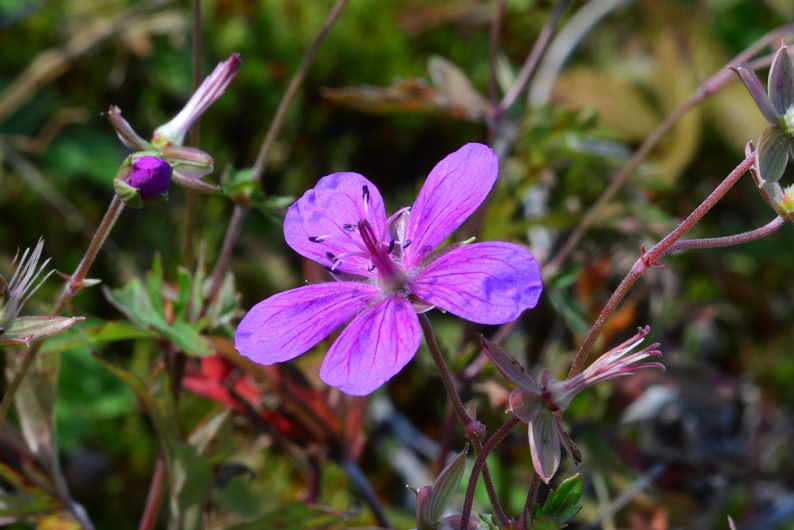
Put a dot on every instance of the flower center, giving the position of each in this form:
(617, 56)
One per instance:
(391, 276)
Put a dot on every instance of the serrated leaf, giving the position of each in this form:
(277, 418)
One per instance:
(546, 523)
(563, 503)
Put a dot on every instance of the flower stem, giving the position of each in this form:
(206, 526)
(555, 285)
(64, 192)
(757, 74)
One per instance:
(240, 210)
(70, 289)
(727, 241)
(155, 496)
(292, 90)
(649, 259)
(480, 466)
(75, 281)
(707, 89)
(532, 60)
(475, 431)
(532, 494)
(193, 139)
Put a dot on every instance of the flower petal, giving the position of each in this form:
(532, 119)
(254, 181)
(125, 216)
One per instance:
(487, 283)
(526, 405)
(750, 80)
(289, 323)
(544, 442)
(336, 201)
(374, 347)
(773, 152)
(781, 81)
(453, 190)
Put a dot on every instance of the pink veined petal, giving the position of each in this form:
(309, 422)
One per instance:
(336, 201)
(374, 347)
(289, 323)
(453, 190)
(526, 405)
(487, 283)
(544, 443)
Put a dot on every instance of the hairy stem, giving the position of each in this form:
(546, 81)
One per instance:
(649, 259)
(708, 88)
(480, 466)
(190, 205)
(474, 429)
(728, 241)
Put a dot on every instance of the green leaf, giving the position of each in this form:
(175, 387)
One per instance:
(563, 503)
(293, 516)
(546, 523)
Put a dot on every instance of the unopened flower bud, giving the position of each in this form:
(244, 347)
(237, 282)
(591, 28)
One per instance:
(142, 179)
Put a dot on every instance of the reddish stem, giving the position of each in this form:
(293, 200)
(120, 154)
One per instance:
(649, 259)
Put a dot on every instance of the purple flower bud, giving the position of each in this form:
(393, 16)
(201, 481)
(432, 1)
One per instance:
(150, 176)
(142, 180)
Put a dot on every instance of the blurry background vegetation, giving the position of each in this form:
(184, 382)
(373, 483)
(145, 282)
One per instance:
(724, 317)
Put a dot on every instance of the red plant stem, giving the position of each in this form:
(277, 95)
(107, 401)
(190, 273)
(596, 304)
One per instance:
(73, 285)
(710, 87)
(728, 241)
(480, 466)
(533, 59)
(470, 425)
(154, 497)
(216, 277)
(649, 259)
(532, 494)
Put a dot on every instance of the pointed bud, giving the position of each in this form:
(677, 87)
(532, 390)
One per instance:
(30, 329)
(190, 162)
(15, 293)
(142, 179)
(173, 132)
(431, 502)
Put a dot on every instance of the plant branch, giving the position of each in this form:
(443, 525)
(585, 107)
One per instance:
(292, 90)
(650, 258)
(708, 88)
(479, 466)
(532, 60)
(728, 241)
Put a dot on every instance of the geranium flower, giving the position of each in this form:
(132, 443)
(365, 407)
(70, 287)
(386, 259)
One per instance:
(776, 143)
(386, 274)
(540, 405)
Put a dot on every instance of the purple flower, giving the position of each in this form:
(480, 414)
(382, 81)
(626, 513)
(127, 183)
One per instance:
(540, 405)
(142, 179)
(386, 274)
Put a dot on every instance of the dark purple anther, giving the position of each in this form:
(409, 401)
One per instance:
(315, 239)
(405, 245)
(365, 193)
(391, 247)
(349, 227)
(331, 257)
